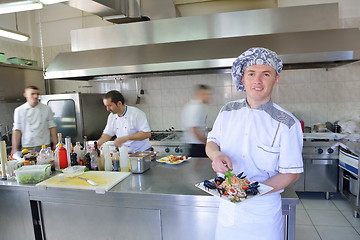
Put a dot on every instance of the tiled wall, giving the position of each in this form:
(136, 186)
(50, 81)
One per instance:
(313, 95)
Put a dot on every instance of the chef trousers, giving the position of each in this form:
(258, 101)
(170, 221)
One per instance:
(259, 218)
(197, 150)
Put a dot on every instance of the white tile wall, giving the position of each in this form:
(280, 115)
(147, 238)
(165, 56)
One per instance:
(313, 95)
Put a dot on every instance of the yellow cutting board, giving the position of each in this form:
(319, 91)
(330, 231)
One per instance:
(104, 180)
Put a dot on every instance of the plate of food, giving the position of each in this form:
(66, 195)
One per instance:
(171, 159)
(233, 188)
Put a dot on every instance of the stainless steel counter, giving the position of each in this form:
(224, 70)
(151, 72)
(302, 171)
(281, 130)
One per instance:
(157, 200)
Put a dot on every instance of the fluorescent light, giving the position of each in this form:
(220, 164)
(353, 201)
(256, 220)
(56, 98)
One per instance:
(19, 6)
(47, 2)
(13, 35)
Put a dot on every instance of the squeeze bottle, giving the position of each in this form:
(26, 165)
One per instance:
(124, 159)
(107, 157)
(78, 151)
(63, 160)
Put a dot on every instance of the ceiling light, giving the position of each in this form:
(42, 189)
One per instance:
(13, 35)
(20, 6)
(47, 2)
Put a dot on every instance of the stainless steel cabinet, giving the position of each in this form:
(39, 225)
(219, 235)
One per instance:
(15, 218)
(321, 175)
(82, 221)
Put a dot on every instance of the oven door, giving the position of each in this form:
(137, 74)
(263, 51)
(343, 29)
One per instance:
(321, 175)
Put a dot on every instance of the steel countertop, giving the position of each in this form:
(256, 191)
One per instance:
(163, 180)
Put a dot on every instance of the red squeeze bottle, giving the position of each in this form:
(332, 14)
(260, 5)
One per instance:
(63, 161)
(302, 125)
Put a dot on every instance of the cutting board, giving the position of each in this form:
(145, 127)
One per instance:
(104, 180)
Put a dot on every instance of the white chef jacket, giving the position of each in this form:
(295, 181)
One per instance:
(194, 114)
(133, 120)
(261, 143)
(34, 124)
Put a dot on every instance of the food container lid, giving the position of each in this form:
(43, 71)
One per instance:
(33, 168)
(73, 171)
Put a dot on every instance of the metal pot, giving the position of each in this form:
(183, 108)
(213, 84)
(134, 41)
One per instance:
(353, 185)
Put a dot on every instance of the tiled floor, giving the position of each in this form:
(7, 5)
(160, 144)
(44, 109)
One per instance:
(321, 219)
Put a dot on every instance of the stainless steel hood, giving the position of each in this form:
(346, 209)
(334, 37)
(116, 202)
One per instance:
(305, 36)
(127, 11)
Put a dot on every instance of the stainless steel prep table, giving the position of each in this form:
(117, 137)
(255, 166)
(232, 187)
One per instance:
(161, 203)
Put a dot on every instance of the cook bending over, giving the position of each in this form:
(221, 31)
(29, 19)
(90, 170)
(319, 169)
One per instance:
(258, 137)
(128, 124)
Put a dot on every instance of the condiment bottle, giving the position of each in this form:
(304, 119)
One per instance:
(50, 156)
(59, 135)
(124, 159)
(94, 158)
(62, 157)
(79, 152)
(107, 157)
(116, 161)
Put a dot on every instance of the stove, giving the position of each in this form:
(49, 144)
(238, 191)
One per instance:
(321, 157)
(168, 143)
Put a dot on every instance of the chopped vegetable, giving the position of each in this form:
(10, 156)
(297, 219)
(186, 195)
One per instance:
(228, 175)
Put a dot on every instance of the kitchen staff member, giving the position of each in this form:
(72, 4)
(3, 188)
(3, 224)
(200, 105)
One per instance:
(261, 139)
(194, 120)
(33, 123)
(128, 124)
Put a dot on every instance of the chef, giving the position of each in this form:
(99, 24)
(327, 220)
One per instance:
(128, 124)
(33, 123)
(261, 139)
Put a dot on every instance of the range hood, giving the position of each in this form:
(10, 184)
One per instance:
(127, 11)
(306, 36)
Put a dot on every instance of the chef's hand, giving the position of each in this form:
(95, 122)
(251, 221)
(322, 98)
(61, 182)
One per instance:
(221, 162)
(120, 141)
(14, 150)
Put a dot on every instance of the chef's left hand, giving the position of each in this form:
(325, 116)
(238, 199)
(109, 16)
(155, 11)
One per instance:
(120, 141)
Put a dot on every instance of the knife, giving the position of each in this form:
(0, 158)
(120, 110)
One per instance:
(89, 181)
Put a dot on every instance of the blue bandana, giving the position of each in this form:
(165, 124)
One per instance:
(253, 56)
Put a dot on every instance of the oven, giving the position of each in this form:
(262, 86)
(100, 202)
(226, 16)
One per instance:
(166, 143)
(321, 157)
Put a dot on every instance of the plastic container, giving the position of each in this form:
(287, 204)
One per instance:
(73, 171)
(2, 57)
(22, 61)
(32, 174)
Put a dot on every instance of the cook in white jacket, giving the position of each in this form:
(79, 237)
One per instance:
(261, 139)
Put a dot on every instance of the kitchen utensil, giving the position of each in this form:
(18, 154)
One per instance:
(139, 161)
(89, 181)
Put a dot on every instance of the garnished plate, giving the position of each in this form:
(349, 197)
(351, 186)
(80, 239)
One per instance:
(234, 188)
(171, 159)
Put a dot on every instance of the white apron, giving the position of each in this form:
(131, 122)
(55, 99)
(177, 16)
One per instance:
(259, 218)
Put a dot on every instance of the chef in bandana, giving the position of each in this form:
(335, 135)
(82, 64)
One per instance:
(261, 139)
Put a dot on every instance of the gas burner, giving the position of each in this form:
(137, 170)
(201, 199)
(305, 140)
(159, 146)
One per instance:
(158, 136)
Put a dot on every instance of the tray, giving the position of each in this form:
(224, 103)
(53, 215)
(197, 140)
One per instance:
(262, 190)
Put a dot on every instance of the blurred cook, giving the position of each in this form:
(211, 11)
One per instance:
(128, 124)
(194, 120)
(33, 123)
(258, 137)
